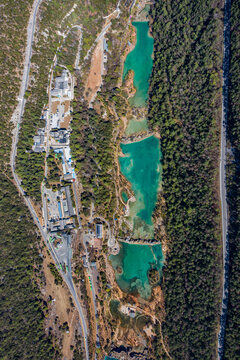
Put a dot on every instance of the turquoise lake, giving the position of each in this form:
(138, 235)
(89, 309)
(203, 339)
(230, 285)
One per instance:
(141, 167)
(140, 61)
(135, 261)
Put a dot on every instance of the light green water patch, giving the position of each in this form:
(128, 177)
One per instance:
(124, 196)
(136, 126)
(140, 61)
(141, 166)
(135, 261)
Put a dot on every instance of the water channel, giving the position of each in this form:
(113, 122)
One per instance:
(141, 166)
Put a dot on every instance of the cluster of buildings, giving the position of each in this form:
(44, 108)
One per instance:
(59, 132)
(57, 118)
(61, 87)
(58, 123)
(67, 165)
(58, 115)
(58, 209)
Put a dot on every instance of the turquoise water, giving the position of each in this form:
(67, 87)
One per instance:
(135, 261)
(141, 166)
(136, 126)
(140, 61)
(109, 358)
(124, 196)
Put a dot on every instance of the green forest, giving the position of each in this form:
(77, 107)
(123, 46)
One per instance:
(21, 307)
(13, 23)
(232, 343)
(185, 108)
(92, 149)
(29, 164)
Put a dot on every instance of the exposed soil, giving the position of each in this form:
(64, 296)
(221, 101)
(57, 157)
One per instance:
(65, 123)
(55, 106)
(95, 75)
(66, 104)
(60, 309)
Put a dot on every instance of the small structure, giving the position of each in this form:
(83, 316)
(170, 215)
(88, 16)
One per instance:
(61, 85)
(84, 261)
(39, 141)
(128, 310)
(99, 231)
(105, 45)
(69, 201)
(60, 136)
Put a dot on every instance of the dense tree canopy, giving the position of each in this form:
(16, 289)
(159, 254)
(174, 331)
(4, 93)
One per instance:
(21, 307)
(232, 344)
(184, 100)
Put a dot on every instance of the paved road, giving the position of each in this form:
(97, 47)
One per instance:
(24, 83)
(77, 59)
(100, 36)
(223, 185)
(116, 10)
(17, 117)
(49, 114)
(86, 251)
(20, 109)
(85, 239)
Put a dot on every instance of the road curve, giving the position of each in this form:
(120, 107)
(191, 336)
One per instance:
(18, 115)
(222, 174)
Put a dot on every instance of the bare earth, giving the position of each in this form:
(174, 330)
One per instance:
(60, 307)
(54, 106)
(95, 78)
(65, 123)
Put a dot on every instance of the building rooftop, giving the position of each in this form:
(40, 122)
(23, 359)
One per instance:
(99, 231)
(69, 201)
(61, 85)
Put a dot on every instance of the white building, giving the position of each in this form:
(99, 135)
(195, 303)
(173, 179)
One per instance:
(61, 85)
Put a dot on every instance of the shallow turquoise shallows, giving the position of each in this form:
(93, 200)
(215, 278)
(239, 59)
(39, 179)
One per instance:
(124, 196)
(136, 126)
(140, 61)
(141, 167)
(135, 261)
(109, 358)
